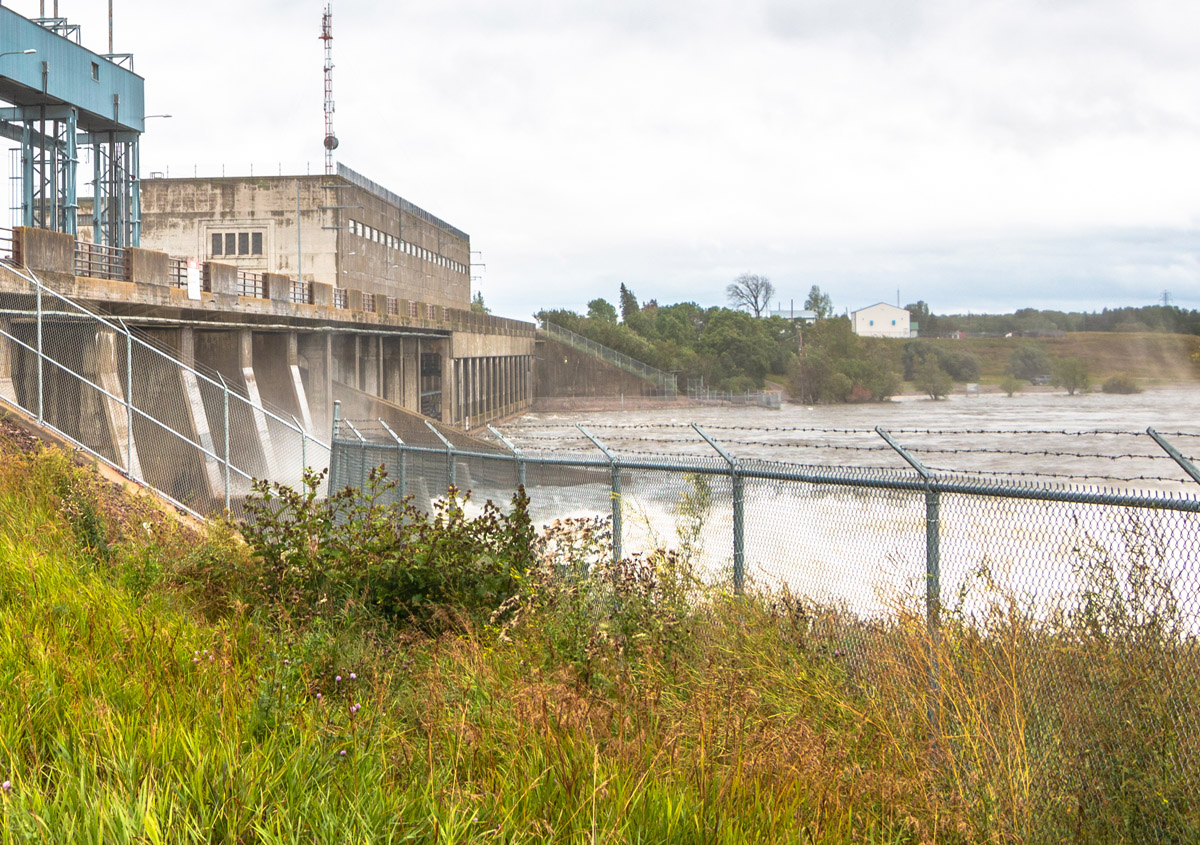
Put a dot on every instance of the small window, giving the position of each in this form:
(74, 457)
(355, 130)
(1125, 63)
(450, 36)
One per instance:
(870, 322)
(216, 243)
(230, 243)
(893, 322)
(243, 243)
(95, 71)
(256, 244)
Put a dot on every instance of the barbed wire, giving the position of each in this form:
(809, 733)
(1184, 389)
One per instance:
(939, 432)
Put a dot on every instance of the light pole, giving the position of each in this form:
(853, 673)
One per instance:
(28, 52)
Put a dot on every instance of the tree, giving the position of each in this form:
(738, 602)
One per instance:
(752, 292)
(629, 304)
(819, 303)
(477, 305)
(1010, 384)
(932, 379)
(1029, 362)
(602, 311)
(1072, 374)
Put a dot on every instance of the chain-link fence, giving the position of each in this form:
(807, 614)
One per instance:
(869, 552)
(127, 399)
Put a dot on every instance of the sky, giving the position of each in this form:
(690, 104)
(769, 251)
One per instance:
(982, 157)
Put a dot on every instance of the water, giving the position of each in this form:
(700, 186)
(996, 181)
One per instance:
(866, 549)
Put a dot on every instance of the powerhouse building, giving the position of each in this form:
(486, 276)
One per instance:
(343, 230)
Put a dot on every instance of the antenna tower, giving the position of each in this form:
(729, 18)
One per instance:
(331, 140)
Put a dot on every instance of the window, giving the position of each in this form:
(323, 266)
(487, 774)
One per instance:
(893, 322)
(95, 71)
(870, 322)
(237, 243)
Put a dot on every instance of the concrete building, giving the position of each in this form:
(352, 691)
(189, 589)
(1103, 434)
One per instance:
(881, 320)
(343, 230)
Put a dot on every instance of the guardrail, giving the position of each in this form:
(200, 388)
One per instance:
(100, 261)
(6, 245)
(301, 293)
(250, 284)
(340, 298)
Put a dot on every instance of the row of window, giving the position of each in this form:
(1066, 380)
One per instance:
(237, 243)
(392, 242)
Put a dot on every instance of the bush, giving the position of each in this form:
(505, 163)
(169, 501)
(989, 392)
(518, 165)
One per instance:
(1072, 374)
(1010, 384)
(1120, 383)
(1029, 362)
(355, 555)
(933, 380)
(961, 366)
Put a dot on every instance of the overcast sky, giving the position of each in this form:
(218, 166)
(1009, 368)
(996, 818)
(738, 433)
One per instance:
(982, 156)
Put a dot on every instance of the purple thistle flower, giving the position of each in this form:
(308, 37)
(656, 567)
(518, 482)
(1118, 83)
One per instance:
(342, 752)
(353, 677)
(318, 696)
(338, 679)
(6, 786)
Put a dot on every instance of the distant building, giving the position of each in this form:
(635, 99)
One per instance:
(881, 320)
(794, 314)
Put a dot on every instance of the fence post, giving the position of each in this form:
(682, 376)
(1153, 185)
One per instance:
(517, 452)
(1176, 455)
(450, 473)
(333, 448)
(225, 397)
(362, 469)
(739, 511)
(40, 405)
(401, 456)
(933, 568)
(616, 491)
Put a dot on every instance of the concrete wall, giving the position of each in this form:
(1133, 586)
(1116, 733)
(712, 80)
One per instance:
(564, 371)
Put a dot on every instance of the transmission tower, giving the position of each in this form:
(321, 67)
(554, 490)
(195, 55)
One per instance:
(1166, 298)
(331, 140)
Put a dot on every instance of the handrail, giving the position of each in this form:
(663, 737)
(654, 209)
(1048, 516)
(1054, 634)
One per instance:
(666, 381)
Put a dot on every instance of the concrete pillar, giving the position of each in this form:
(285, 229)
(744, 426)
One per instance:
(297, 382)
(245, 341)
(411, 391)
(358, 361)
(449, 405)
(368, 353)
(8, 389)
(104, 420)
(316, 355)
(393, 369)
(476, 410)
(197, 416)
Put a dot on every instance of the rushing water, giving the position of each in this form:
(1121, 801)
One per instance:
(864, 548)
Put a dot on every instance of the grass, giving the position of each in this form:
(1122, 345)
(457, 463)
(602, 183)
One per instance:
(148, 700)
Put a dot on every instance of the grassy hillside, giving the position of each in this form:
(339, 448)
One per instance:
(1151, 358)
(337, 682)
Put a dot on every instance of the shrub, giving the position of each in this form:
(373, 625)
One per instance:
(1072, 374)
(933, 380)
(1029, 362)
(1010, 384)
(356, 555)
(1120, 383)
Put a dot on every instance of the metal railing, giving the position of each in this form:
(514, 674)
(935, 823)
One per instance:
(6, 245)
(393, 306)
(196, 438)
(666, 382)
(757, 398)
(99, 261)
(340, 298)
(301, 293)
(368, 303)
(177, 271)
(250, 284)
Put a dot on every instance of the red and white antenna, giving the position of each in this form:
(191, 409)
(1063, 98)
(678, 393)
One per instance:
(331, 140)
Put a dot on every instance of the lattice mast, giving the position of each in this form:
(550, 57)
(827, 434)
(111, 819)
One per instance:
(331, 140)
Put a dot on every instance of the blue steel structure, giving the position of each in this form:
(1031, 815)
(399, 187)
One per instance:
(63, 99)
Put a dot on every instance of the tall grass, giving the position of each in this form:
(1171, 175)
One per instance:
(153, 693)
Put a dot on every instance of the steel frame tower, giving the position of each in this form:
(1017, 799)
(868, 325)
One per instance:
(331, 140)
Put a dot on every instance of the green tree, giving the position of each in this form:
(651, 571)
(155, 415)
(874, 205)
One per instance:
(932, 379)
(1010, 384)
(819, 303)
(477, 305)
(602, 311)
(629, 303)
(1071, 373)
(1029, 362)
